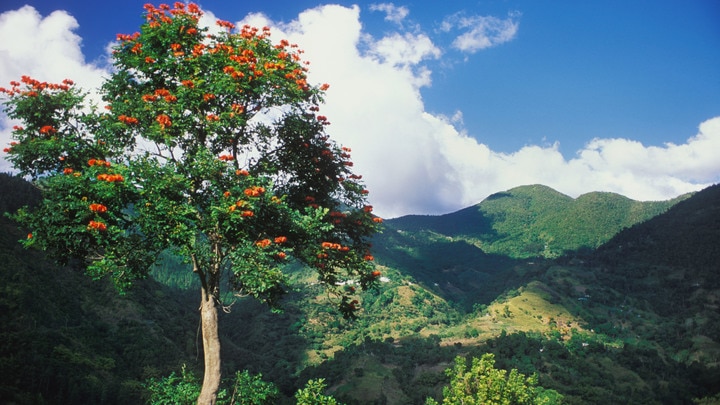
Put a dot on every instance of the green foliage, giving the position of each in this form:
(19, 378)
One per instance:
(252, 390)
(174, 390)
(312, 394)
(483, 384)
(246, 388)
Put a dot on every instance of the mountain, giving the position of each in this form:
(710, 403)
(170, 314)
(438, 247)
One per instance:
(608, 300)
(634, 321)
(535, 220)
(472, 255)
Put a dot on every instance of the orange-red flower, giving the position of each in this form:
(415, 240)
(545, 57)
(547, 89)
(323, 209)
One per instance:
(376, 273)
(110, 178)
(242, 172)
(97, 225)
(254, 191)
(263, 243)
(247, 213)
(129, 120)
(281, 239)
(163, 120)
(99, 208)
(47, 129)
(194, 9)
(67, 170)
(98, 162)
(226, 158)
(225, 24)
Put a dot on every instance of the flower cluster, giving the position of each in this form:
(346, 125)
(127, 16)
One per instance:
(265, 243)
(98, 162)
(34, 87)
(160, 94)
(48, 129)
(334, 246)
(128, 120)
(8, 150)
(254, 191)
(99, 208)
(96, 225)
(111, 178)
(239, 204)
(163, 120)
(159, 15)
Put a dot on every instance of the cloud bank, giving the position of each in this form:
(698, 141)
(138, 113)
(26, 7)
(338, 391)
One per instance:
(413, 161)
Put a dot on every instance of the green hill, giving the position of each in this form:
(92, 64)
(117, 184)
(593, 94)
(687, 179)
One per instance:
(532, 221)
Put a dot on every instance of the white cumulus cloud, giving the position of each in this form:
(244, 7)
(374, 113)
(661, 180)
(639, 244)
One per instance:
(392, 12)
(480, 32)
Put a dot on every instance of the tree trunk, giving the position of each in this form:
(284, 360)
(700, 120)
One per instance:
(211, 349)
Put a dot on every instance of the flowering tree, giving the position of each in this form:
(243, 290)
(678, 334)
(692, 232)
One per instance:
(210, 145)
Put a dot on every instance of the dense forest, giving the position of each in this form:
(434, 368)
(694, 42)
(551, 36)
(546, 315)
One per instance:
(605, 299)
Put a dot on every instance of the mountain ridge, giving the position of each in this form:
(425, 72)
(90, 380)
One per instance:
(536, 220)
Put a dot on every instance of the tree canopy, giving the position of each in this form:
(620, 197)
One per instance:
(482, 383)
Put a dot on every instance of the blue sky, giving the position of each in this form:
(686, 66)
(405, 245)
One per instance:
(445, 103)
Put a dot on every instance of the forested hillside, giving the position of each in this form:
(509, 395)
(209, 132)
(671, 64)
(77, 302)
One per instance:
(537, 221)
(604, 307)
